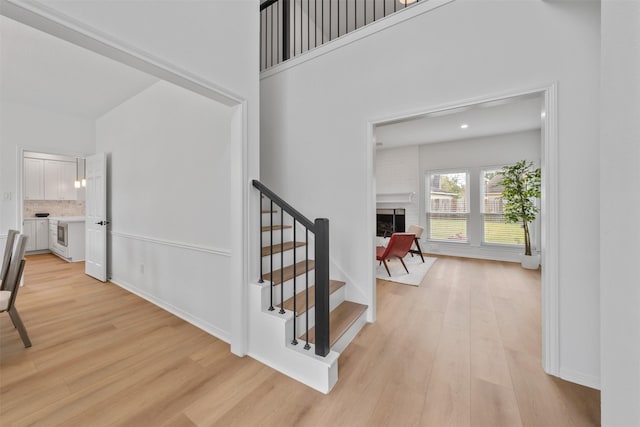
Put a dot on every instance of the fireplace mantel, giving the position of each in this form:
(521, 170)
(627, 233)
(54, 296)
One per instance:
(395, 197)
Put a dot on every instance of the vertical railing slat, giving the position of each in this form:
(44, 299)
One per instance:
(286, 27)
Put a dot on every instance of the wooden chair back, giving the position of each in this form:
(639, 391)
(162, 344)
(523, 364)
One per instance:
(6, 258)
(16, 267)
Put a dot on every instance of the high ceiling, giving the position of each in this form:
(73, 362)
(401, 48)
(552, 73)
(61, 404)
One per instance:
(490, 118)
(40, 70)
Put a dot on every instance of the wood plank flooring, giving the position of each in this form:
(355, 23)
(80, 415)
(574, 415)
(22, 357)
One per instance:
(463, 349)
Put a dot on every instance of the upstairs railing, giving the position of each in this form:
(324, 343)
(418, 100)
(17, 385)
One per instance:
(320, 229)
(292, 27)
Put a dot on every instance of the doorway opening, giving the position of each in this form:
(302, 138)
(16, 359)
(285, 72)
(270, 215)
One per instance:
(159, 127)
(466, 143)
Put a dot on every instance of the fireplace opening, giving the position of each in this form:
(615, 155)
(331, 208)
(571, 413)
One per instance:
(389, 221)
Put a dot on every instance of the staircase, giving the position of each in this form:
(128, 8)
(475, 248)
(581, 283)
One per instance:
(300, 319)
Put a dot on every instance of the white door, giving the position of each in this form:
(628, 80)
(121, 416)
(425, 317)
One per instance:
(96, 217)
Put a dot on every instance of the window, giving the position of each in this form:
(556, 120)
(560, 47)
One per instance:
(495, 230)
(447, 206)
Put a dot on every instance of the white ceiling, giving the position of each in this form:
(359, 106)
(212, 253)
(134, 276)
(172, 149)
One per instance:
(49, 73)
(490, 118)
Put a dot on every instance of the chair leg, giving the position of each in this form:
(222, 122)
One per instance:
(17, 322)
(386, 266)
(419, 248)
(405, 267)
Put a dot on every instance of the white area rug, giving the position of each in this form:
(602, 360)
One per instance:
(417, 270)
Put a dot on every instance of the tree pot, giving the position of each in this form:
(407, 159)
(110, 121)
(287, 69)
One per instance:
(530, 262)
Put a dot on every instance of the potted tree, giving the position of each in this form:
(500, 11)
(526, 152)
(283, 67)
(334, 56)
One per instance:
(521, 183)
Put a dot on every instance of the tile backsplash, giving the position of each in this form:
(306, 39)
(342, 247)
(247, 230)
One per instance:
(54, 207)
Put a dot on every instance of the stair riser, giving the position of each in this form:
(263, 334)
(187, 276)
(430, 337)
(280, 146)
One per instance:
(288, 232)
(335, 299)
(266, 236)
(288, 259)
(267, 217)
(288, 288)
(351, 333)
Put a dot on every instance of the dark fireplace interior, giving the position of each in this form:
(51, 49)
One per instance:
(389, 221)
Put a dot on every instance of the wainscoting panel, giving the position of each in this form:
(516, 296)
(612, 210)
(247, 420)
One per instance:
(189, 281)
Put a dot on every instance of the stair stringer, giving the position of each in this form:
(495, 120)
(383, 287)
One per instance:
(269, 343)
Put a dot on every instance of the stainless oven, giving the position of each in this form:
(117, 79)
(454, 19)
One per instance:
(63, 233)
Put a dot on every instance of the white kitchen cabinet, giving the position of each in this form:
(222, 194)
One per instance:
(59, 178)
(37, 231)
(42, 234)
(67, 179)
(33, 179)
(29, 230)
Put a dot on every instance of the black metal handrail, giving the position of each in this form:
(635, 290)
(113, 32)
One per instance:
(284, 205)
(291, 27)
(320, 228)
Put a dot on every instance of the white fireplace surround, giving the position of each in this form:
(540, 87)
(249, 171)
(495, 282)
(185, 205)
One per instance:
(386, 198)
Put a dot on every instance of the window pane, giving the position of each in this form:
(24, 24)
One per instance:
(450, 227)
(448, 193)
(447, 206)
(495, 228)
(492, 192)
(497, 231)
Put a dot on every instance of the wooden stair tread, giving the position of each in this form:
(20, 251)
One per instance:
(287, 274)
(275, 227)
(266, 251)
(334, 285)
(340, 320)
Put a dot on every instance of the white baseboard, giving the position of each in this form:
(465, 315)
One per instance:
(581, 378)
(199, 323)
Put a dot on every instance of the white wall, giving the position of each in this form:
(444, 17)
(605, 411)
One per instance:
(315, 115)
(619, 213)
(398, 171)
(169, 200)
(474, 154)
(27, 127)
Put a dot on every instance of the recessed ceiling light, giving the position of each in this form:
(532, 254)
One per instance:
(464, 126)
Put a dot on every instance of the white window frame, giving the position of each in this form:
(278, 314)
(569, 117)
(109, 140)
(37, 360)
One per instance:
(427, 206)
(483, 242)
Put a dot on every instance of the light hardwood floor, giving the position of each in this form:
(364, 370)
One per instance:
(462, 349)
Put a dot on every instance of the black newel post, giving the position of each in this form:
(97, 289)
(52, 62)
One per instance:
(321, 229)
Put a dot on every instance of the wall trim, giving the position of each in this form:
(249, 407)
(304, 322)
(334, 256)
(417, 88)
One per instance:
(180, 245)
(365, 31)
(586, 380)
(549, 204)
(193, 320)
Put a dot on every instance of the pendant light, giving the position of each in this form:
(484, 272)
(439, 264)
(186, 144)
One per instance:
(84, 172)
(76, 183)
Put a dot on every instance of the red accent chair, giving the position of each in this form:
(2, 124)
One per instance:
(398, 247)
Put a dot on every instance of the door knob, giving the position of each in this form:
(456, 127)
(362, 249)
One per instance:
(102, 223)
